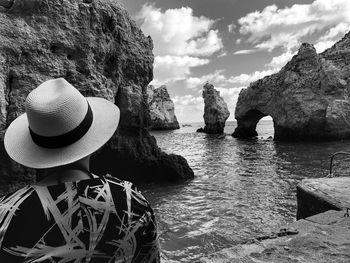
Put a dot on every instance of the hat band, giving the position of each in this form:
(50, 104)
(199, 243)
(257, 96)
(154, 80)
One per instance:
(66, 139)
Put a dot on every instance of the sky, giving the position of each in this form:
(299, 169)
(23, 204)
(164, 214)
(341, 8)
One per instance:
(230, 43)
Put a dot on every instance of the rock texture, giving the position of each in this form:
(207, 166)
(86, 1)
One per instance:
(322, 194)
(99, 49)
(215, 110)
(308, 99)
(162, 109)
(321, 239)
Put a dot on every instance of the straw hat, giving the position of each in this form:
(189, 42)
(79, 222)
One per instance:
(60, 126)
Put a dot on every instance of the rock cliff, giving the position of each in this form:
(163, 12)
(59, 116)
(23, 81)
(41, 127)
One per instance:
(162, 109)
(97, 47)
(215, 111)
(308, 99)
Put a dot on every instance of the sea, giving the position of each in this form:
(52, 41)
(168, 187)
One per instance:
(243, 188)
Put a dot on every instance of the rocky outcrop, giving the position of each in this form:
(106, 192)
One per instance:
(97, 47)
(215, 111)
(162, 109)
(308, 99)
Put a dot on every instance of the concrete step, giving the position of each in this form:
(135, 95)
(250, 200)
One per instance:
(319, 195)
(322, 238)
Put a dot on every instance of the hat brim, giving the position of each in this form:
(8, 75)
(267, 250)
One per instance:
(21, 148)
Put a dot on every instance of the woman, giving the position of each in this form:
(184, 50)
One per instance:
(71, 215)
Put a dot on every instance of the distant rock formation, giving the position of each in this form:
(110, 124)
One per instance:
(98, 48)
(308, 99)
(162, 109)
(215, 111)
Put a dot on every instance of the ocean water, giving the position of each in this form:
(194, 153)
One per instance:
(241, 189)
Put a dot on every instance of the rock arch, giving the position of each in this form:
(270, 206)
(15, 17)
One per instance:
(246, 125)
(308, 99)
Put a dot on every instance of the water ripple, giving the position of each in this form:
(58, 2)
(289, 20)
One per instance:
(242, 188)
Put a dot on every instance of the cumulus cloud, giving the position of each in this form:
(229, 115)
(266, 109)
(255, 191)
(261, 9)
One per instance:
(222, 54)
(219, 79)
(228, 92)
(245, 51)
(230, 96)
(216, 78)
(273, 27)
(331, 37)
(188, 100)
(231, 28)
(178, 32)
(280, 61)
(189, 108)
(181, 40)
(172, 68)
(246, 79)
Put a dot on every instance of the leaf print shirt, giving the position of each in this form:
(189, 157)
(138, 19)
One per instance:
(96, 220)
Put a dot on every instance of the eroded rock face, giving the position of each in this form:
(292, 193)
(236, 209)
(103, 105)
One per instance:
(215, 110)
(162, 109)
(308, 99)
(97, 47)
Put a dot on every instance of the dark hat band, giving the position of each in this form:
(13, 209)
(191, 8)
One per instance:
(53, 142)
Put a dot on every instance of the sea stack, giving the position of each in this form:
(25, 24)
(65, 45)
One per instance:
(215, 111)
(96, 46)
(162, 109)
(308, 99)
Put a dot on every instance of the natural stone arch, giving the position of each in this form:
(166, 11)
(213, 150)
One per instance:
(246, 125)
(308, 98)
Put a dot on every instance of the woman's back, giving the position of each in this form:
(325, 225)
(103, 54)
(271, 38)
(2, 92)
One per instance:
(95, 220)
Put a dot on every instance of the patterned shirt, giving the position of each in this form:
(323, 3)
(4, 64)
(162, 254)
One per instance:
(96, 220)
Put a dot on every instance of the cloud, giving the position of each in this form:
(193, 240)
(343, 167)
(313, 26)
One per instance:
(326, 41)
(179, 32)
(245, 51)
(188, 100)
(231, 28)
(280, 61)
(228, 92)
(222, 54)
(216, 78)
(230, 96)
(246, 79)
(331, 37)
(172, 68)
(180, 38)
(273, 27)
(189, 108)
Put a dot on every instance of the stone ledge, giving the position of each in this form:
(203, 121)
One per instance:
(322, 238)
(322, 194)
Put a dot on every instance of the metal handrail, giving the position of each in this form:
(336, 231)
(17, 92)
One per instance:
(332, 158)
